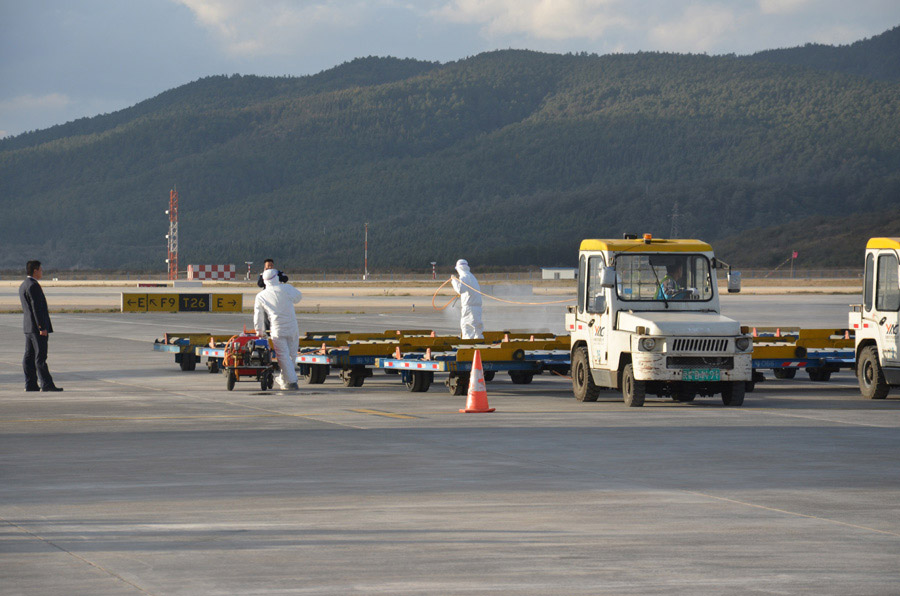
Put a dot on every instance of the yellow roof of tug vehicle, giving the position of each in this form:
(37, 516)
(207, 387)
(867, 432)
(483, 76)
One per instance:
(641, 245)
(884, 243)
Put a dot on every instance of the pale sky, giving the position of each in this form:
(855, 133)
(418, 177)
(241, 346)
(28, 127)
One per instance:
(66, 59)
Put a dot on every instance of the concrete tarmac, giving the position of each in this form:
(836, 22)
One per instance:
(142, 479)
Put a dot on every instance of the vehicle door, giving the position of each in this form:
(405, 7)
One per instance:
(597, 312)
(887, 306)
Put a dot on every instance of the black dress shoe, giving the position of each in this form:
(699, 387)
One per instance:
(32, 389)
(54, 388)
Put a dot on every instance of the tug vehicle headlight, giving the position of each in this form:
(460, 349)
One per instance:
(742, 343)
(647, 344)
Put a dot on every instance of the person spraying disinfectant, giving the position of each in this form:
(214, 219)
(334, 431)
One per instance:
(469, 292)
(277, 303)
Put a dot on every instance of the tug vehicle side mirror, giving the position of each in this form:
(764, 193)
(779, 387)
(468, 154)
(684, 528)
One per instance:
(734, 282)
(608, 277)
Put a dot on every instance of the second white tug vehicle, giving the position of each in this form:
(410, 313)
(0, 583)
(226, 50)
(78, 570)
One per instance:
(648, 322)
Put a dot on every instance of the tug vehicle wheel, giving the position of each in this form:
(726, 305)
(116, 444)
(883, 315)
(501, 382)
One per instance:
(733, 393)
(633, 391)
(872, 383)
(582, 382)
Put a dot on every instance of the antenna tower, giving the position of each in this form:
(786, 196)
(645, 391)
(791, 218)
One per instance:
(172, 236)
(675, 232)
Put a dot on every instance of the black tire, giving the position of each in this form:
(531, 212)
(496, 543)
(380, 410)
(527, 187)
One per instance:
(733, 393)
(188, 361)
(872, 383)
(633, 391)
(818, 375)
(351, 380)
(521, 377)
(212, 365)
(582, 382)
(785, 373)
(489, 375)
(419, 381)
(316, 374)
(458, 384)
(267, 380)
(230, 381)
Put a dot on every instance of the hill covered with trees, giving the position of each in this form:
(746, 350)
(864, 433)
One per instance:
(508, 158)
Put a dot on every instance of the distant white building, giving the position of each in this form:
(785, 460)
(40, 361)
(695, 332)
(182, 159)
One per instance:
(558, 272)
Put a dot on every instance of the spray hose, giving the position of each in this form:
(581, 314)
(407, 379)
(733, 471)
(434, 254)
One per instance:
(567, 300)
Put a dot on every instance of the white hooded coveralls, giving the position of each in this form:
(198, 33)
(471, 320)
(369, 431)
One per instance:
(277, 301)
(470, 324)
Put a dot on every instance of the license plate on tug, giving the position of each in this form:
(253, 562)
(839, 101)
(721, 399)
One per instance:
(700, 374)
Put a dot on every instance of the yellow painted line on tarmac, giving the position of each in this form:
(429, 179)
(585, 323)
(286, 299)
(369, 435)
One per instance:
(266, 415)
(150, 418)
(386, 414)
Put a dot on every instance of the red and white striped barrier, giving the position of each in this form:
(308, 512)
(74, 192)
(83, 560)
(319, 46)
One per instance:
(210, 272)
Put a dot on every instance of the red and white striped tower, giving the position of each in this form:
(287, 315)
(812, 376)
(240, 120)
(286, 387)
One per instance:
(172, 236)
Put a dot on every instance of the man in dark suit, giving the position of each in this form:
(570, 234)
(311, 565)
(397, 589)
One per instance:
(37, 328)
(270, 264)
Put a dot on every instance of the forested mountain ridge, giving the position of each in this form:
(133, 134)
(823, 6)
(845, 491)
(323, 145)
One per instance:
(877, 57)
(505, 158)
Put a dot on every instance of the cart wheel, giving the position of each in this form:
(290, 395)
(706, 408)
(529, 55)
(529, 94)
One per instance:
(213, 365)
(351, 380)
(785, 373)
(818, 375)
(458, 384)
(316, 374)
(267, 380)
(489, 375)
(419, 381)
(521, 377)
(188, 361)
(231, 380)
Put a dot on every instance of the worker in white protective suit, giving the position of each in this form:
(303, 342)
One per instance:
(277, 303)
(469, 292)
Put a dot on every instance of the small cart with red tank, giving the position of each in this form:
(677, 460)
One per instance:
(248, 357)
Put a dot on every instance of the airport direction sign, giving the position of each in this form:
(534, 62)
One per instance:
(162, 302)
(153, 302)
(132, 302)
(193, 303)
(226, 302)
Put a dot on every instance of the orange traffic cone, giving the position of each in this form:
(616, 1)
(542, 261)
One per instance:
(476, 400)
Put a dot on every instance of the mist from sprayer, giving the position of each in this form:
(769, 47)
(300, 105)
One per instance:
(502, 316)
